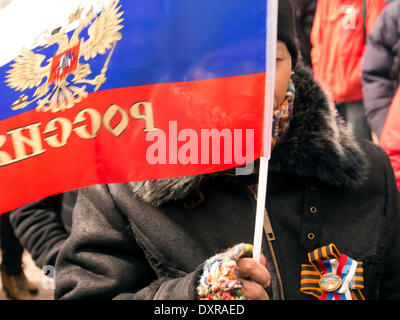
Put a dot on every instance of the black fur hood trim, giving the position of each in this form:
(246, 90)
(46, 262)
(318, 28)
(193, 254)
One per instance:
(317, 145)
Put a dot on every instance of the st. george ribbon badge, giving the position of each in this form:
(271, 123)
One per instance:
(332, 275)
(60, 80)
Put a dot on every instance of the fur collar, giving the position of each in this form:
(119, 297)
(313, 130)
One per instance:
(317, 146)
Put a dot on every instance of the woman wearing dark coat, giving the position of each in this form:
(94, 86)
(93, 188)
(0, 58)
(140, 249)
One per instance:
(170, 239)
(381, 66)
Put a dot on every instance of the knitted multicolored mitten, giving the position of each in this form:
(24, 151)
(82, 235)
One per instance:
(220, 279)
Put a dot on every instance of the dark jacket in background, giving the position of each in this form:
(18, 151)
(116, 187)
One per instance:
(43, 226)
(304, 14)
(381, 66)
(139, 240)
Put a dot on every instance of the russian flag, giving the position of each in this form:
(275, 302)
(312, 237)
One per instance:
(127, 90)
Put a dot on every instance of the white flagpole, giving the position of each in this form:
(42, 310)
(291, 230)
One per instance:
(270, 68)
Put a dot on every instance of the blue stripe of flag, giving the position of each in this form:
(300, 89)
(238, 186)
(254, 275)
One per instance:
(168, 41)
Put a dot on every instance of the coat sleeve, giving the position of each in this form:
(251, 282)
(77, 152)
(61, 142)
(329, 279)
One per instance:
(39, 228)
(102, 260)
(390, 289)
(378, 87)
(390, 137)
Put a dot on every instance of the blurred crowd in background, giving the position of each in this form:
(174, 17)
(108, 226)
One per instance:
(353, 49)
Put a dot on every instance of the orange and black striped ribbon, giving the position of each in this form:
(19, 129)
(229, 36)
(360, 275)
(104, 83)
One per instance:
(311, 275)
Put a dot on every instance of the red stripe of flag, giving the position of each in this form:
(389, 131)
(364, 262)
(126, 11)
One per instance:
(231, 103)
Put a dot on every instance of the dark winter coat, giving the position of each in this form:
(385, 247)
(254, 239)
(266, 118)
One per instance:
(140, 240)
(304, 12)
(381, 66)
(42, 226)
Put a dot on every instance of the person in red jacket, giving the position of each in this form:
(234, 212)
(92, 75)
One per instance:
(390, 137)
(338, 38)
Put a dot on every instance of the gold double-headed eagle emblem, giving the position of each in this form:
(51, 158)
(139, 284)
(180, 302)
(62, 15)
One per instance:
(53, 91)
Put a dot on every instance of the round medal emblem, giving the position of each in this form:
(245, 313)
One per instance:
(330, 282)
